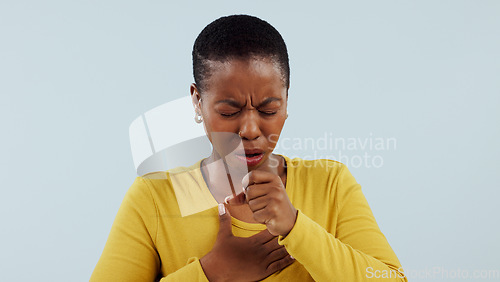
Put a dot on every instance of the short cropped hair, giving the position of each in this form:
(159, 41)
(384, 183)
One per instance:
(238, 37)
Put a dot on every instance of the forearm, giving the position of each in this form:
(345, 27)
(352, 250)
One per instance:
(326, 257)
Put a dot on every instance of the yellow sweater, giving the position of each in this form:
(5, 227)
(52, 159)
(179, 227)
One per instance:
(168, 220)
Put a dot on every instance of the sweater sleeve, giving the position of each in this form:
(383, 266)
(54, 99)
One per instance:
(190, 272)
(358, 251)
(130, 252)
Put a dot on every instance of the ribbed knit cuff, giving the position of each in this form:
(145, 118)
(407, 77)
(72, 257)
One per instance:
(295, 235)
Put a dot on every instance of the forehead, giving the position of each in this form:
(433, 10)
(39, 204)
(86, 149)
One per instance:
(238, 78)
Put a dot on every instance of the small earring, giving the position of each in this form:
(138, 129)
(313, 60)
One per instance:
(286, 115)
(198, 118)
(239, 134)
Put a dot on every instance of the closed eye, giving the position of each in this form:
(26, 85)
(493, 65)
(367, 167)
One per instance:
(229, 114)
(268, 113)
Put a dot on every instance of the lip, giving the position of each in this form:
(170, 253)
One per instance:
(256, 156)
(253, 151)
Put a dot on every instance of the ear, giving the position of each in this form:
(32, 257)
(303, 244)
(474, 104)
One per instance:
(195, 97)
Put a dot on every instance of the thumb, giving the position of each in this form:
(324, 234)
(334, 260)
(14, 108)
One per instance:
(225, 222)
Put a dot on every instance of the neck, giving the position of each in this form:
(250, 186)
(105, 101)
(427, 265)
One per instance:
(218, 175)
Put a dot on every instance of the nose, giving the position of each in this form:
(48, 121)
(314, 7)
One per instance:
(249, 126)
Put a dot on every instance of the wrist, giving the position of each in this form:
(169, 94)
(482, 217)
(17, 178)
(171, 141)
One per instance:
(294, 221)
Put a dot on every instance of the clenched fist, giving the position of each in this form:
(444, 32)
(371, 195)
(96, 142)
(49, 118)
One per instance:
(265, 194)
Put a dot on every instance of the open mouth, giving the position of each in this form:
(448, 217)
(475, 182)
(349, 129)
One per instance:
(251, 157)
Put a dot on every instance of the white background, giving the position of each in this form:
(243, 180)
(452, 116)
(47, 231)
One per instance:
(75, 74)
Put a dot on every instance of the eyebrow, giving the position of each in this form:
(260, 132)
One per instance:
(238, 105)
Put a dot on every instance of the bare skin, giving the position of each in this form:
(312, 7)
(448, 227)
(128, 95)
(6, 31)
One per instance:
(247, 97)
(243, 259)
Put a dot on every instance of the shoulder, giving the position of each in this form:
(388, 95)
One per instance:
(179, 190)
(331, 176)
(165, 177)
(160, 185)
(328, 181)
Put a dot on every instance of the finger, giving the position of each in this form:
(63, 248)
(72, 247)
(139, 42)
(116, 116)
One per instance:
(225, 229)
(263, 216)
(257, 176)
(257, 204)
(263, 237)
(276, 255)
(272, 245)
(257, 190)
(280, 264)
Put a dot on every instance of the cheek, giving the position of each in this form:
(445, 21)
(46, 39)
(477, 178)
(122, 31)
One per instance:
(225, 142)
(219, 124)
(272, 131)
(273, 126)
(210, 120)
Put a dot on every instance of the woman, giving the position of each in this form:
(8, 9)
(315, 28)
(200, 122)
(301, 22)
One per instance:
(285, 220)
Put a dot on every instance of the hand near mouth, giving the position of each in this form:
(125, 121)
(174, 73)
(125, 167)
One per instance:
(267, 198)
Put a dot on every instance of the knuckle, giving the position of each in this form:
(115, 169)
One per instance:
(274, 209)
(275, 187)
(283, 252)
(274, 200)
(258, 217)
